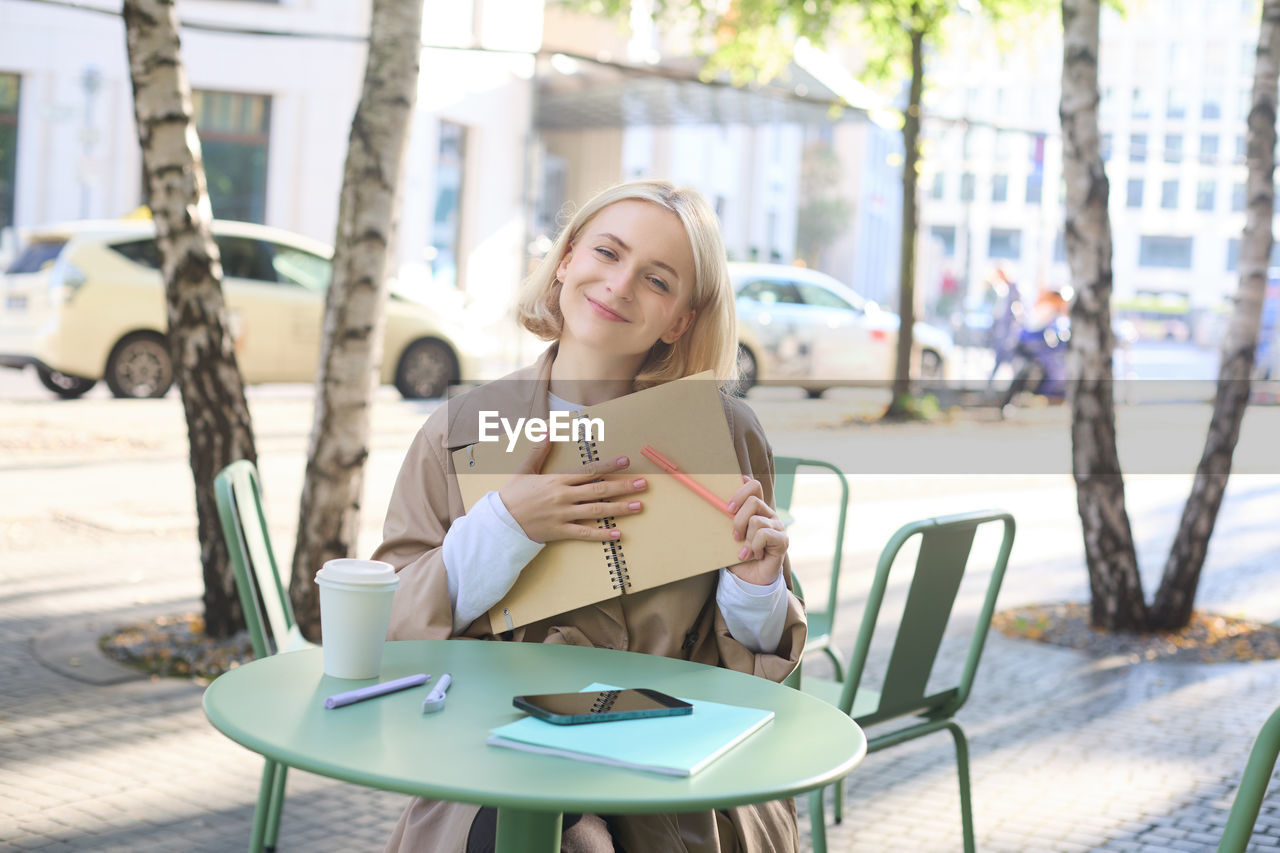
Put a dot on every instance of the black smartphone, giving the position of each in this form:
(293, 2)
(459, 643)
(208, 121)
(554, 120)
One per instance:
(601, 706)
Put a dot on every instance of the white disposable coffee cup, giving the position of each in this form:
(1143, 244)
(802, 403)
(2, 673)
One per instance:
(355, 612)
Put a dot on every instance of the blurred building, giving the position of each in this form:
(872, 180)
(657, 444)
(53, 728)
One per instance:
(622, 100)
(275, 87)
(521, 110)
(1175, 80)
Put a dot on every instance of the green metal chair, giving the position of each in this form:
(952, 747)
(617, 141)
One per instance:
(945, 546)
(821, 621)
(267, 611)
(1253, 785)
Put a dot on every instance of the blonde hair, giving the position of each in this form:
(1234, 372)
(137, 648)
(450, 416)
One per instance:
(710, 343)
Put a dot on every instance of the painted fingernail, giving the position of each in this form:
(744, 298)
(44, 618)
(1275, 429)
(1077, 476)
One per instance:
(622, 461)
(742, 555)
(615, 534)
(633, 506)
(638, 483)
(733, 506)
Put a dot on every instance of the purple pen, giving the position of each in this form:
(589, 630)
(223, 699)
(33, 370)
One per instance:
(337, 700)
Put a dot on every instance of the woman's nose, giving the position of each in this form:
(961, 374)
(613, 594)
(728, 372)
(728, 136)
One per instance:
(621, 283)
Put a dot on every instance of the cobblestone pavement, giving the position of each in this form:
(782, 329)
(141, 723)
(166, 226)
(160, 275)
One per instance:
(1068, 752)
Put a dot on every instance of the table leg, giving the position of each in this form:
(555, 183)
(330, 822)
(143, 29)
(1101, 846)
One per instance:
(521, 831)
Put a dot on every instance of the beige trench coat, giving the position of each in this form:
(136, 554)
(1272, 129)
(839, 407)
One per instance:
(679, 620)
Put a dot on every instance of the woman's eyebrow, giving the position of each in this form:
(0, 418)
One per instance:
(623, 245)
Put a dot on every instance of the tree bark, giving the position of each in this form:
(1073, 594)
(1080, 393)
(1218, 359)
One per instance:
(911, 120)
(219, 429)
(351, 353)
(1176, 595)
(1117, 602)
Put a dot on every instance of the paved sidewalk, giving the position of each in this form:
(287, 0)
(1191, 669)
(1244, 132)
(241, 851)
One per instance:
(1068, 753)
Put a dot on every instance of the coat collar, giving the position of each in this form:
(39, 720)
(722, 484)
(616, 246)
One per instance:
(522, 394)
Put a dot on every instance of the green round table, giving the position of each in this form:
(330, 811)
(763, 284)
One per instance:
(275, 707)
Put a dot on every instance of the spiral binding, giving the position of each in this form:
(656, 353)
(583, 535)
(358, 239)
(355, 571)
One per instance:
(604, 701)
(617, 563)
(614, 558)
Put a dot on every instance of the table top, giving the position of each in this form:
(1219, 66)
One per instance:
(274, 706)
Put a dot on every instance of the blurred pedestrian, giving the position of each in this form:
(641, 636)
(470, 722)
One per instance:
(1007, 319)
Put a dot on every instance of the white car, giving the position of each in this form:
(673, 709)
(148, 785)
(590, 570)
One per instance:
(798, 326)
(85, 301)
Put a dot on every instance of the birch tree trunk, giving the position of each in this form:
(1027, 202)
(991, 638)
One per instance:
(219, 430)
(1117, 602)
(351, 353)
(910, 223)
(1172, 605)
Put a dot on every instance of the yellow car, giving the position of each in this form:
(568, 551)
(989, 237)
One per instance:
(85, 301)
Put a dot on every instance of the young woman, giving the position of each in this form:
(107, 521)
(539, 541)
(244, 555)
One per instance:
(634, 292)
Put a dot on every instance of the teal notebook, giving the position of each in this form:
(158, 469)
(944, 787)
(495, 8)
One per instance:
(675, 746)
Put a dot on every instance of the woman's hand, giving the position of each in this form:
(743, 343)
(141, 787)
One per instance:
(565, 506)
(764, 539)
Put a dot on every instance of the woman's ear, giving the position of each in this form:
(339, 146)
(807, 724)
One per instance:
(679, 327)
(564, 262)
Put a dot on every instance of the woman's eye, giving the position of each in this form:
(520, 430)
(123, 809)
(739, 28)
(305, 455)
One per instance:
(659, 283)
(608, 253)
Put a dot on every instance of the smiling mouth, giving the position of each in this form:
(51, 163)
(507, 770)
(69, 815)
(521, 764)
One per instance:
(606, 312)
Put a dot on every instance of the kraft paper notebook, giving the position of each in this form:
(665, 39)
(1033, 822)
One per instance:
(675, 536)
(674, 746)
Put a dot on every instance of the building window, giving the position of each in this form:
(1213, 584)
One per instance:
(1137, 148)
(1243, 104)
(9, 86)
(1173, 148)
(1237, 197)
(1211, 106)
(1060, 248)
(1141, 107)
(446, 224)
(1169, 195)
(966, 186)
(1004, 244)
(1035, 188)
(1176, 101)
(1208, 149)
(1233, 254)
(1205, 193)
(1242, 150)
(999, 188)
(939, 188)
(946, 235)
(1133, 193)
(1104, 147)
(1167, 252)
(234, 132)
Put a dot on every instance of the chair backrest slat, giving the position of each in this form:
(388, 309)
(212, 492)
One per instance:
(945, 546)
(934, 586)
(262, 595)
(786, 470)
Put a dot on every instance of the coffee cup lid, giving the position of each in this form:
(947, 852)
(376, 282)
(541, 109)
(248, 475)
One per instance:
(358, 573)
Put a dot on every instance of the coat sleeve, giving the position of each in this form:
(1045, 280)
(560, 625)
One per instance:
(756, 459)
(419, 512)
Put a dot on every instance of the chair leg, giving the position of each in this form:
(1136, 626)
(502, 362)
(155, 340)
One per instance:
(265, 788)
(276, 808)
(817, 822)
(837, 663)
(962, 769)
(837, 803)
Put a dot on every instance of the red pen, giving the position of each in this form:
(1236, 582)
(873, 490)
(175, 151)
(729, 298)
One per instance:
(697, 488)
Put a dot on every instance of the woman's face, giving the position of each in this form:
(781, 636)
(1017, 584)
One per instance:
(627, 280)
